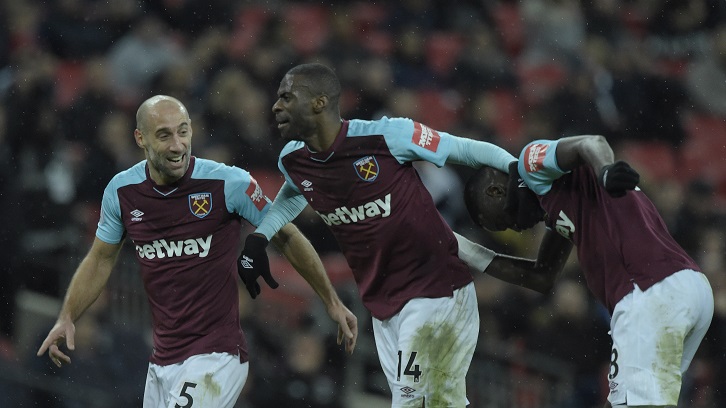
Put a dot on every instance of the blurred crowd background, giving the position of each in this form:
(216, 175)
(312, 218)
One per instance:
(650, 75)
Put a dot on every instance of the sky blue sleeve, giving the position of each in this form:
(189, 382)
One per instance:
(288, 204)
(538, 165)
(110, 227)
(407, 140)
(244, 196)
(476, 153)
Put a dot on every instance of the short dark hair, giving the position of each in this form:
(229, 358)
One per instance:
(319, 79)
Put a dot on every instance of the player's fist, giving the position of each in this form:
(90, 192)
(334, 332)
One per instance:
(618, 178)
(253, 263)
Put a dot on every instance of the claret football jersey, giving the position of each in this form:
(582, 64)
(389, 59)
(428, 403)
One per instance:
(620, 241)
(187, 240)
(366, 190)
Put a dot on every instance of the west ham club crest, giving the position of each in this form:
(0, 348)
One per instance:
(200, 204)
(366, 168)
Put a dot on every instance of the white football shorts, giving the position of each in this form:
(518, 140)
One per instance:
(212, 380)
(655, 335)
(425, 349)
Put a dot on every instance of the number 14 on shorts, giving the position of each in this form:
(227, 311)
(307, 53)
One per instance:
(411, 367)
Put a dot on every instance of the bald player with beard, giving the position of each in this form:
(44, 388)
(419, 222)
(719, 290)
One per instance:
(184, 215)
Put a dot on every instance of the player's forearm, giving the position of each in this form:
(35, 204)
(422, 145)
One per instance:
(554, 251)
(302, 256)
(475, 154)
(288, 204)
(473, 254)
(86, 285)
(538, 275)
(517, 271)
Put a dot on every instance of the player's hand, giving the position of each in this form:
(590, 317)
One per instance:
(618, 178)
(522, 202)
(347, 326)
(253, 263)
(62, 332)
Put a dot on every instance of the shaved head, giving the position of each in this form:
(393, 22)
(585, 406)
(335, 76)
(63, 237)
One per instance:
(150, 107)
(497, 201)
(485, 196)
(164, 131)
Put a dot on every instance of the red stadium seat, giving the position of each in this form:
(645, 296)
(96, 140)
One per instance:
(308, 27)
(70, 81)
(705, 127)
(537, 82)
(653, 160)
(378, 42)
(508, 125)
(368, 16)
(510, 28)
(442, 51)
(438, 110)
(248, 26)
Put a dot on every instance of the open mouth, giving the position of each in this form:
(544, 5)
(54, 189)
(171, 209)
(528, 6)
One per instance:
(177, 159)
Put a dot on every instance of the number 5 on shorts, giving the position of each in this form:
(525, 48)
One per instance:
(185, 394)
(410, 369)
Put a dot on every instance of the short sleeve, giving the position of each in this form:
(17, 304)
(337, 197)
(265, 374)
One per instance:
(538, 165)
(110, 227)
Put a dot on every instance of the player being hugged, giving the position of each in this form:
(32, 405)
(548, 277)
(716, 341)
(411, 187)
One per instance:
(661, 305)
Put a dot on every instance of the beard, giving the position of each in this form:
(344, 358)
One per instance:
(162, 166)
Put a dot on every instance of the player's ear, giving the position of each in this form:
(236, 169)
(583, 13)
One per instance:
(319, 103)
(139, 138)
(496, 190)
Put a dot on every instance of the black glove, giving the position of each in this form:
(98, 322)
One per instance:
(522, 202)
(618, 178)
(253, 263)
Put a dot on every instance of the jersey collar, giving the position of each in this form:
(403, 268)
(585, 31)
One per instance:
(328, 153)
(173, 186)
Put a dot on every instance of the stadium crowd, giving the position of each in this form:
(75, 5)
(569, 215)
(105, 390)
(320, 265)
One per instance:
(650, 75)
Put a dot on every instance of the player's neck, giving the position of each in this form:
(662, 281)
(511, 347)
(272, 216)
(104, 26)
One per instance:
(325, 137)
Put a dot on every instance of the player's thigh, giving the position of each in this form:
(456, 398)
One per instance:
(155, 395)
(426, 349)
(212, 380)
(649, 331)
(695, 287)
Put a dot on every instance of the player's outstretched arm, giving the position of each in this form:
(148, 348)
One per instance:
(306, 261)
(538, 275)
(86, 285)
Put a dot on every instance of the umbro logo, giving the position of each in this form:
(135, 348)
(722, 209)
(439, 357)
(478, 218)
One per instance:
(307, 185)
(136, 215)
(408, 392)
(246, 262)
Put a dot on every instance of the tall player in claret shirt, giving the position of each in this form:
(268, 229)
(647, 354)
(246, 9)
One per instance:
(184, 216)
(358, 176)
(661, 305)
